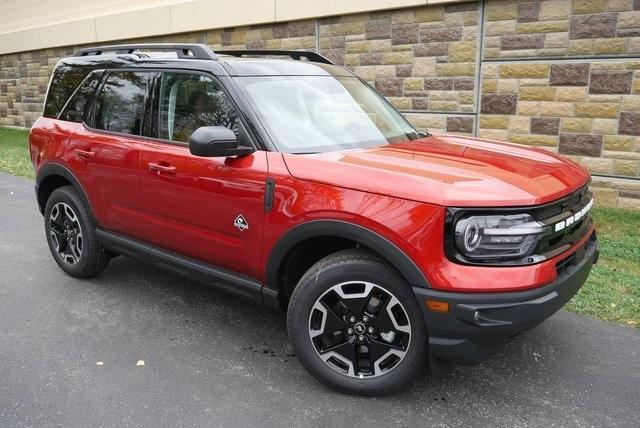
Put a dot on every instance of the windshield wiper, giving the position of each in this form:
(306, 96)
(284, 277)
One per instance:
(416, 135)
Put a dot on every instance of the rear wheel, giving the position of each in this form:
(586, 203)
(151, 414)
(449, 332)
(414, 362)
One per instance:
(70, 234)
(356, 326)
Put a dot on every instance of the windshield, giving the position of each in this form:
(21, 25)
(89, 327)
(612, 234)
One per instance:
(309, 114)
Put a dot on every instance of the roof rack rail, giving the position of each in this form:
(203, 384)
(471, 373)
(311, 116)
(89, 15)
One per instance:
(297, 55)
(183, 50)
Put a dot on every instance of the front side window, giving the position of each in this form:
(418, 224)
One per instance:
(120, 103)
(324, 113)
(189, 101)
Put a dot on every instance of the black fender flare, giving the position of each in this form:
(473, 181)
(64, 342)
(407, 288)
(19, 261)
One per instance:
(55, 169)
(343, 229)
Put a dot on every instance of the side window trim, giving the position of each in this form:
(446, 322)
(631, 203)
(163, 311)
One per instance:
(152, 130)
(146, 127)
(91, 113)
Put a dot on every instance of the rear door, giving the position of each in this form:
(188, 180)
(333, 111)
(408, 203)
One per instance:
(211, 209)
(106, 149)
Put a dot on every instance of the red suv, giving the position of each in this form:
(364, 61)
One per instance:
(294, 183)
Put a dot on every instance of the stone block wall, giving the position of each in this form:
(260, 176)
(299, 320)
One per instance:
(24, 78)
(299, 35)
(565, 75)
(559, 74)
(561, 28)
(588, 111)
(422, 59)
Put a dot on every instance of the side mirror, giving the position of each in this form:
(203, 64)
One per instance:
(216, 141)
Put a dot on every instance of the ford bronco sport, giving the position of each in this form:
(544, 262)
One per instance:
(295, 184)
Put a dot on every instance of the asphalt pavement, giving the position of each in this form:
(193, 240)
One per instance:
(211, 359)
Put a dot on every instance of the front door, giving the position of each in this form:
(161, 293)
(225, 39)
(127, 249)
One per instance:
(211, 209)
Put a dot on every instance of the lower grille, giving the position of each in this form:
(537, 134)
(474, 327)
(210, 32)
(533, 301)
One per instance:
(565, 264)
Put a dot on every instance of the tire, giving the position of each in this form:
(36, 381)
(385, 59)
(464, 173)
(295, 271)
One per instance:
(314, 324)
(70, 231)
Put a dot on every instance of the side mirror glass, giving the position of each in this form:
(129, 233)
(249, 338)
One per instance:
(216, 141)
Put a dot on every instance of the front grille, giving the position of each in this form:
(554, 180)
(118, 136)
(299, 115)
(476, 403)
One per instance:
(566, 222)
(551, 214)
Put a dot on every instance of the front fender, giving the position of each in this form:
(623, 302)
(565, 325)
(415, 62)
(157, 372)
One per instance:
(343, 229)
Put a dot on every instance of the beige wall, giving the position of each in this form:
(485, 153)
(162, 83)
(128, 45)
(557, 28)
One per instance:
(27, 25)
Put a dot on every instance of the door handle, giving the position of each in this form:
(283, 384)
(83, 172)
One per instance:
(85, 154)
(167, 169)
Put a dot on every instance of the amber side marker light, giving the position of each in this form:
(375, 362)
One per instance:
(437, 305)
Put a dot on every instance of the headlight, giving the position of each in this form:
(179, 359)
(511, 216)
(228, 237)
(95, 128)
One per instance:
(497, 237)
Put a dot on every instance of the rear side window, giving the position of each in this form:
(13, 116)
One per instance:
(65, 80)
(189, 101)
(75, 108)
(120, 103)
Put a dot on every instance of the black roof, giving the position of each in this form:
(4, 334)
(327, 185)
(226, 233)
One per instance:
(70, 72)
(201, 57)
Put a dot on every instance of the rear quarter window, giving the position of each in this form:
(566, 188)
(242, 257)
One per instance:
(66, 78)
(74, 111)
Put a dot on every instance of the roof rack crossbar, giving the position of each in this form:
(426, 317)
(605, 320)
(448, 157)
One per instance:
(182, 50)
(297, 55)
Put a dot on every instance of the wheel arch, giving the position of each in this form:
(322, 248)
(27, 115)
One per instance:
(341, 230)
(53, 176)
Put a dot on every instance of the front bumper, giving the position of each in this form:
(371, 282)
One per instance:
(479, 323)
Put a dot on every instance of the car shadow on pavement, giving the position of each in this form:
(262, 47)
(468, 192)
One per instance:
(262, 331)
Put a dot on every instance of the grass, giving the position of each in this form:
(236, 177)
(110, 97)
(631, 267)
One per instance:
(611, 293)
(14, 155)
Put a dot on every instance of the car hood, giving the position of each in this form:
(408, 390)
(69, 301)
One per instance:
(447, 170)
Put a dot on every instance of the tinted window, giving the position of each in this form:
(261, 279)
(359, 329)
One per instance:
(66, 78)
(120, 103)
(74, 111)
(189, 101)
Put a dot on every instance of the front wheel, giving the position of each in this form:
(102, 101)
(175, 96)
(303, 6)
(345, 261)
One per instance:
(356, 325)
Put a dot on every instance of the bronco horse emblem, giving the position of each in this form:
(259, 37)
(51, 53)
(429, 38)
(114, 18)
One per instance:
(241, 223)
